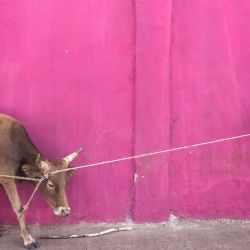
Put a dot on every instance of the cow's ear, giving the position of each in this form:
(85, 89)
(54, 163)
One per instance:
(71, 172)
(31, 171)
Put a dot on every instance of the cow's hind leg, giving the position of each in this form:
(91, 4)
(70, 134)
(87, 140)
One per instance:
(11, 190)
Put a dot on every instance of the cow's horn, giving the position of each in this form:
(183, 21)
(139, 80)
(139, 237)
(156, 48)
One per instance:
(38, 159)
(71, 157)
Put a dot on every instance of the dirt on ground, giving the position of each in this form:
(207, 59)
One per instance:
(174, 235)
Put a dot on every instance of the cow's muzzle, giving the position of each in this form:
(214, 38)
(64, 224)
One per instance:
(62, 211)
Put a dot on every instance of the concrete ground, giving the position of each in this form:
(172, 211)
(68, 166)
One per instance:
(175, 235)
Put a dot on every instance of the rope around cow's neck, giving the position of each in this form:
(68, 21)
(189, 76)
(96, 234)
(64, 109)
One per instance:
(25, 207)
(46, 175)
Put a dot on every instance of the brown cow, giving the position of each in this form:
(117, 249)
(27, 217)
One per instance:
(19, 156)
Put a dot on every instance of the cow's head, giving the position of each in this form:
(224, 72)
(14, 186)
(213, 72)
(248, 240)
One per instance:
(54, 187)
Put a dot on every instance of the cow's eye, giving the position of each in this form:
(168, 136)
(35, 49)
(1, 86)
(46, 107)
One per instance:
(50, 185)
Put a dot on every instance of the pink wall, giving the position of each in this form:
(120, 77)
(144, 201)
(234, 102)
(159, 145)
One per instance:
(127, 77)
(210, 98)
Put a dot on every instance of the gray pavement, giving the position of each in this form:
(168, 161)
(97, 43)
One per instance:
(175, 235)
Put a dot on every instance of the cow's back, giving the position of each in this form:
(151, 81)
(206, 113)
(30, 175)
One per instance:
(14, 143)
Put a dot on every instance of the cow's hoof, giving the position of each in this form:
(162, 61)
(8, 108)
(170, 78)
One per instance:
(31, 246)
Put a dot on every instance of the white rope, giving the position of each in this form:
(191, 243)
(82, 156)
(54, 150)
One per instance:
(45, 176)
(18, 177)
(152, 153)
(130, 158)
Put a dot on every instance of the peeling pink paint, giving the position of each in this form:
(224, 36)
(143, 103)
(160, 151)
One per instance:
(128, 77)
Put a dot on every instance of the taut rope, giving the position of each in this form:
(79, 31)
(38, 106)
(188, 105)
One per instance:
(46, 176)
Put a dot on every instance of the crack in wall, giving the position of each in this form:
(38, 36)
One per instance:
(133, 116)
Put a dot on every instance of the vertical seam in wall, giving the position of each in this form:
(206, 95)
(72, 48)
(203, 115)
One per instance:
(170, 105)
(133, 146)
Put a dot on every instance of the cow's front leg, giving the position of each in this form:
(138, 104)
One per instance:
(11, 190)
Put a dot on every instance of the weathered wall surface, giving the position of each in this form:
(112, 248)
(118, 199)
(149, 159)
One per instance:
(210, 93)
(128, 77)
(67, 74)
